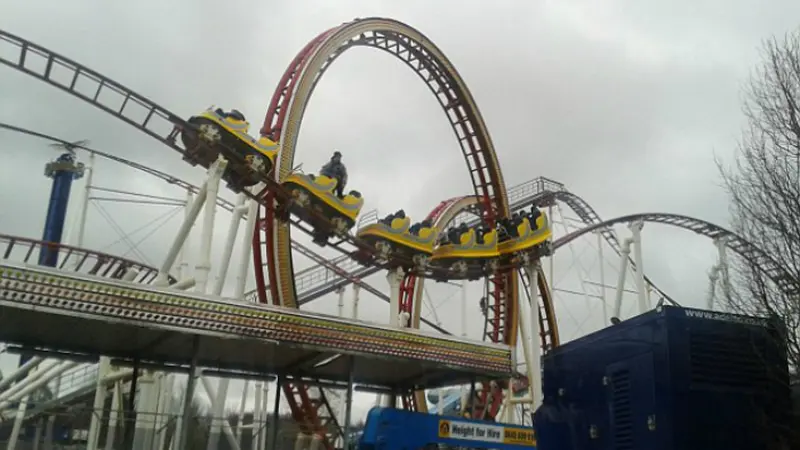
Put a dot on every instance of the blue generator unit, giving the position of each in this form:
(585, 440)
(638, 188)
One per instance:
(671, 379)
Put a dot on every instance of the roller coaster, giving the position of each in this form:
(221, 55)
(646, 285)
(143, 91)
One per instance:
(502, 245)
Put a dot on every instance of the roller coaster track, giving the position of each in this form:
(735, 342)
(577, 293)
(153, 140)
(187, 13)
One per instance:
(391, 36)
(759, 258)
(282, 124)
(411, 292)
(226, 205)
(76, 259)
(102, 92)
(155, 121)
(285, 113)
(322, 279)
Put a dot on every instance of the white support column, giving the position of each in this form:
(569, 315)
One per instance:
(641, 289)
(183, 233)
(99, 401)
(535, 348)
(394, 277)
(247, 246)
(624, 254)
(202, 268)
(525, 339)
(39, 381)
(265, 408)
(145, 411)
(183, 259)
(218, 419)
(226, 427)
(551, 258)
(87, 189)
(242, 405)
(230, 242)
(218, 402)
(116, 411)
(20, 417)
(722, 249)
(356, 290)
(713, 276)
(602, 263)
(17, 427)
(166, 383)
(32, 376)
(20, 372)
(37, 434)
(340, 306)
(464, 311)
(258, 414)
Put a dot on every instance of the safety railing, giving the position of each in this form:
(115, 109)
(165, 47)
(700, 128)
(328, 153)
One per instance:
(368, 218)
(88, 262)
(75, 259)
(74, 380)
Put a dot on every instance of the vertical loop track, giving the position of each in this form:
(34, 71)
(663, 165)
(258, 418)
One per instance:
(283, 122)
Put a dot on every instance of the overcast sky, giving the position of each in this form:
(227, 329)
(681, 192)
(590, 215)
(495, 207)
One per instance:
(626, 102)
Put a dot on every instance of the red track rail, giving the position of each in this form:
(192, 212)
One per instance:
(283, 121)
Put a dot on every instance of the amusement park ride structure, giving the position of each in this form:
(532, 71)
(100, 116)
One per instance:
(149, 321)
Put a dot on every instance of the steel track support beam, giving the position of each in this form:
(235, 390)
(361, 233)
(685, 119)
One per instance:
(145, 411)
(348, 409)
(624, 258)
(713, 277)
(340, 305)
(247, 245)
(602, 263)
(180, 239)
(276, 405)
(242, 405)
(223, 422)
(641, 289)
(535, 355)
(262, 427)
(99, 400)
(722, 249)
(218, 401)
(202, 268)
(186, 411)
(356, 291)
(114, 416)
(183, 262)
(394, 277)
(259, 415)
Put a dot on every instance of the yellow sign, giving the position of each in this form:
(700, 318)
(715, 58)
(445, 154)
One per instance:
(444, 428)
(519, 436)
(470, 431)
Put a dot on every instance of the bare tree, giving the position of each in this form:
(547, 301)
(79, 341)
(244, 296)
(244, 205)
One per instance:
(764, 188)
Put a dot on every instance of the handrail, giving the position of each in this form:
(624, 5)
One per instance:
(76, 259)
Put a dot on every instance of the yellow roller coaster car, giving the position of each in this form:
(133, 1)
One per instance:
(317, 193)
(468, 254)
(216, 129)
(527, 239)
(399, 238)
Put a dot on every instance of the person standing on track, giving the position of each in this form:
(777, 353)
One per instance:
(335, 169)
